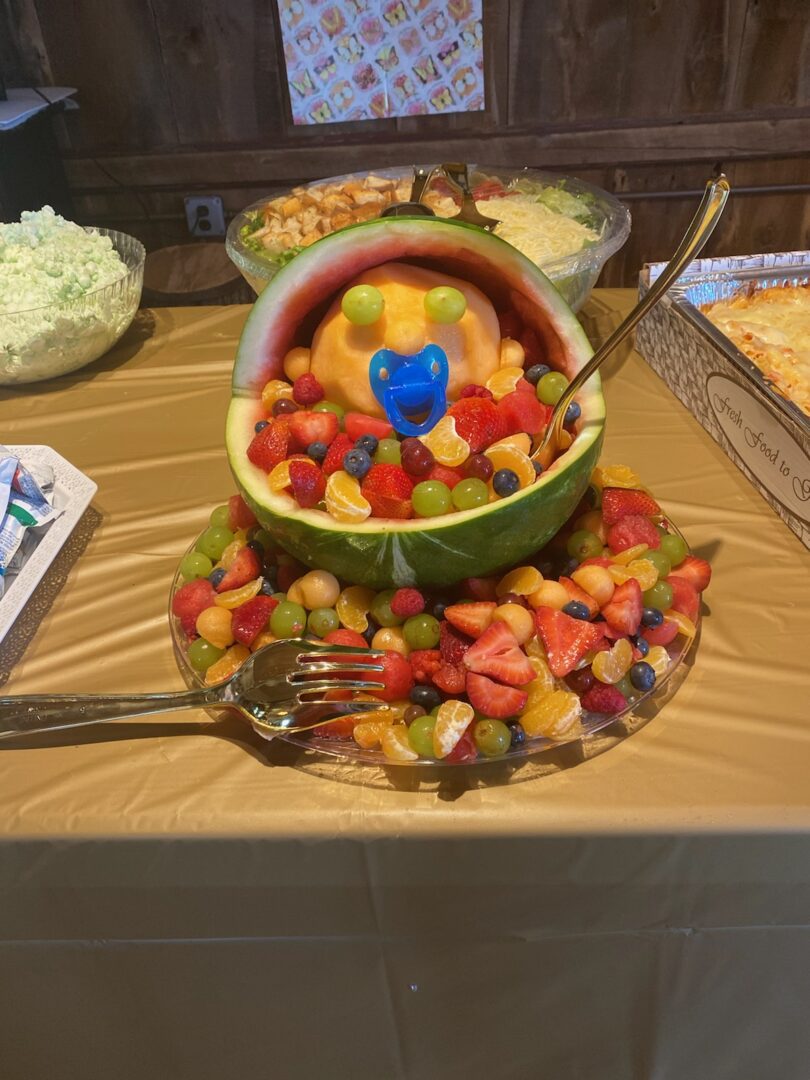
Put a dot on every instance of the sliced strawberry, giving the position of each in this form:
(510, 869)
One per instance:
(696, 571)
(270, 445)
(445, 475)
(523, 412)
(661, 635)
(244, 568)
(576, 593)
(451, 678)
(388, 490)
(249, 619)
(424, 664)
(497, 653)
(396, 676)
(191, 599)
(341, 445)
(346, 637)
(479, 588)
(493, 700)
(685, 597)
(240, 516)
(623, 611)
(632, 530)
(471, 619)
(452, 644)
(309, 427)
(619, 502)
(566, 640)
(357, 424)
(478, 422)
(603, 699)
(464, 750)
(308, 483)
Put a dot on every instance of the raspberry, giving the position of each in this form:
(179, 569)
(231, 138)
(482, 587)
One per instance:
(406, 602)
(478, 422)
(471, 390)
(452, 643)
(451, 678)
(388, 490)
(307, 482)
(424, 664)
(307, 390)
(603, 699)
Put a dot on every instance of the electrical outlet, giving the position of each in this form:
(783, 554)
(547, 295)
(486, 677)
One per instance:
(205, 215)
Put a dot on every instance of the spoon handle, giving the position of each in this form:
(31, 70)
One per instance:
(700, 229)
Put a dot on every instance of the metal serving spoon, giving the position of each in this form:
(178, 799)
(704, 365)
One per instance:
(457, 175)
(414, 207)
(700, 229)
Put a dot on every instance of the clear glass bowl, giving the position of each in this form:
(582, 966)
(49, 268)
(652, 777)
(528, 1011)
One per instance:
(63, 337)
(574, 275)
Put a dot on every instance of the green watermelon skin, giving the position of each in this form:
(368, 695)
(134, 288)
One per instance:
(432, 552)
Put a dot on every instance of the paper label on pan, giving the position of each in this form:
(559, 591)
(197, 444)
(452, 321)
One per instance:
(765, 447)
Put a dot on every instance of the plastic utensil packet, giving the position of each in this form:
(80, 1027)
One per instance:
(21, 513)
(8, 467)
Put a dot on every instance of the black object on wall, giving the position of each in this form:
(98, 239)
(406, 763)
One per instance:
(31, 170)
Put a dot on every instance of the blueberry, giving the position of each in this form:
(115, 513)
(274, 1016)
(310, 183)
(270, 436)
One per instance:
(568, 567)
(317, 451)
(260, 426)
(642, 676)
(572, 413)
(268, 587)
(216, 576)
(538, 468)
(577, 610)
(439, 608)
(254, 545)
(505, 482)
(546, 567)
(535, 373)
(517, 732)
(369, 632)
(368, 443)
(357, 463)
(426, 696)
(651, 616)
(641, 644)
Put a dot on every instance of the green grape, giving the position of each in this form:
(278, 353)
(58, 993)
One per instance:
(492, 737)
(674, 548)
(279, 596)
(420, 735)
(288, 620)
(659, 561)
(330, 406)
(214, 541)
(220, 517)
(431, 498)
(551, 387)
(263, 537)
(470, 493)
(202, 654)
(195, 564)
(626, 687)
(362, 304)
(445, 304)
(381, 611)
(323, 620)
(421, 632)
(584, 545)
(659, 596)
(388, 452)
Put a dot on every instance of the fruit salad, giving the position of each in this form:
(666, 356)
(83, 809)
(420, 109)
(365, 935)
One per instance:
(585, 627)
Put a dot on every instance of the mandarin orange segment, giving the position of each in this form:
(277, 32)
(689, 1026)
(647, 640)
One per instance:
(614, 476)
(344, 499)
(395, 745)
(273, 390)
(446, 445)
(353, 606)
(368, 733)
(658, 659)
(520, 441)
(452, 720)
(629, 554)
(234, 597)
(555, 715)
(609, 666)
(523, 581)
(645, 573)
(227, 664)
(509, 457)
(503, 381)
(684, 623)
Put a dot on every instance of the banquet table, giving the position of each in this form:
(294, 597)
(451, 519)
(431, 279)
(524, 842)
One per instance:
(181, 900)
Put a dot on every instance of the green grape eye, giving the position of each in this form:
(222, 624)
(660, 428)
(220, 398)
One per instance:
(444, 304)
(362, 304)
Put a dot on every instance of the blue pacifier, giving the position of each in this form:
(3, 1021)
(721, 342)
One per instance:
(411, 385)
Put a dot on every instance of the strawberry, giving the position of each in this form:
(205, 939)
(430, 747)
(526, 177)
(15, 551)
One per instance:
(631, 530)
(445, 474)
(471, 619)
(357, 424)
(473, 390)
(396, 676)
(451, 678)
(309, 427)
(685, 597)
(619, 502)
(696, 571)
(388, 490)
(464, 750)
(511, 324)
(424, 664)
(452, 644)
(339, 448)
(240, 516)
(307, 390)
(566, 640)
(270, 445)
(407, 602)
(523, 412)
(189, 600)
(497, 653)
(249, 619)
(478, 422)
(308, 483)
(603, 699)
(493, 700)
(576, 593)
(244, 568)
(479, 588)
(346, 637)
(623, 611)
(661, 635)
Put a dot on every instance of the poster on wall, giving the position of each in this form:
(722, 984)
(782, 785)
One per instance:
(375, 59)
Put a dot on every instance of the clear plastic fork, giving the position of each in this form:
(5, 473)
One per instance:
(281, 687)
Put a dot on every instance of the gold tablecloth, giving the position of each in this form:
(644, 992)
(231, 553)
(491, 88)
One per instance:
(178, 902)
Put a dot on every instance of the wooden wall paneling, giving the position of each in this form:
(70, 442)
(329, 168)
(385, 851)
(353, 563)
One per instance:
(775, 61)
(23, 57)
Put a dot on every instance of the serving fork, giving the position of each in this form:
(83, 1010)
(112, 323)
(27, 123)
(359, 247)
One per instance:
(271, 690)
